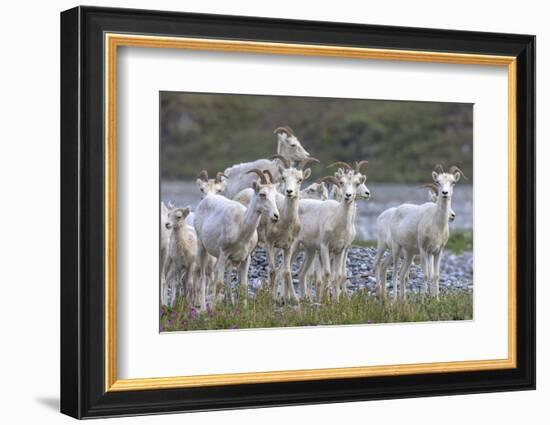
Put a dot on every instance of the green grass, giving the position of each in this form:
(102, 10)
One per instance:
(460, 240)
(361, 308)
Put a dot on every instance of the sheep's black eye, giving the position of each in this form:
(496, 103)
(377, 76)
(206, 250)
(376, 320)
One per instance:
(262, 195)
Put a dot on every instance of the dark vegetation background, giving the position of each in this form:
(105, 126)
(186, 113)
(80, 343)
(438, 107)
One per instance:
(402, 140)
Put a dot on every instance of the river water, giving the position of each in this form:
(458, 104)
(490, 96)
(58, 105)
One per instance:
(383, 196)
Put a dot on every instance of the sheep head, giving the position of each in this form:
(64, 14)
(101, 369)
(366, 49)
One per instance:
(288, 145)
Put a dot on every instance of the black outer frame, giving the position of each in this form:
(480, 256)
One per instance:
(82, 206)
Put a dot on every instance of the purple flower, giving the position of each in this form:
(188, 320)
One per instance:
(193, 314)
(370, 322)
(233, 327)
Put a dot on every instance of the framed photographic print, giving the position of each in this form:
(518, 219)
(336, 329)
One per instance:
(261, 212)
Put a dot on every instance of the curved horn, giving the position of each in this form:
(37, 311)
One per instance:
(219, 176)
(340, 164)
(203, 175)
(359, 164)
(259, 173)
(330, 179)
(268, 173)
(455, 169)
(281, 158)
(431, 186)
(286, 130)
(439, 169)
(307, 161)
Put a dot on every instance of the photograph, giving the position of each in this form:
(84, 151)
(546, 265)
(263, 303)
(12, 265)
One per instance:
(287, 211)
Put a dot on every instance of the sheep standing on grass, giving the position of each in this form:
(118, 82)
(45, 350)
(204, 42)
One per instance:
(328, 229)
(417, 230)
(280, 235)
(182, 254)
(228, 231)
(380, 264)
(363, 193)
(288, 146)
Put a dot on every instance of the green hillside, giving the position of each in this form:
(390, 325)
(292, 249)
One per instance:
(401, 140)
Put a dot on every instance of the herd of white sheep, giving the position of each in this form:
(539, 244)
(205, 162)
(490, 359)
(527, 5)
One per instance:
(263, 203)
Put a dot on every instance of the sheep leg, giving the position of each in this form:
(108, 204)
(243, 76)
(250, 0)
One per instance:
(382, 275)
(204, 265)
(308, 259)
(425, 269)
(219, 270)
(325, 267)
(272, 274)
(404, 274)
(288, 286)
(339, 277)
(396, 252)
(228, 280)
(345, 272)
(162, 266)
(243, 279)
(164, 282)
(437, 263)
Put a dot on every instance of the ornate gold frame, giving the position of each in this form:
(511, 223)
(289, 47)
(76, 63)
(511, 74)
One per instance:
(113, 41)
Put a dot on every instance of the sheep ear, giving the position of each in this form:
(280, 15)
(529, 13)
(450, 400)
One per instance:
(199, 181)
(185, 211)
(456, 175)
(434, 176)
(307, 173)
(363, 178)
(255, 186)
(223, 184)
(163, 208)
(280, 168)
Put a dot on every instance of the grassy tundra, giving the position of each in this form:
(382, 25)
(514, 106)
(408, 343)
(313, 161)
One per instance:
(360, 308)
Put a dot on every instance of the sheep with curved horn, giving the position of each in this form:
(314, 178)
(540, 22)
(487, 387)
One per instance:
(421, 230)
(228, 231)
(289, 147)
(279, 236)
(327, 230)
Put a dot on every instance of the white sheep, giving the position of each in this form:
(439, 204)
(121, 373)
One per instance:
(380, 264)
(228, 231)
(416, 230)
(280, 235)
(316, 190)
(288, 146)
(362, 193)
(182, 254)
(163, 254)
(328, 229)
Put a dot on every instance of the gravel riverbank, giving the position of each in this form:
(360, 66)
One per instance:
(456, 271)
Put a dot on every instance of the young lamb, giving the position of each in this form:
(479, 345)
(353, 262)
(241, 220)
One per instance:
(328, 228)
(288, 146)
(228, 231)
(422, 230)
(381, 265)
(182, 254)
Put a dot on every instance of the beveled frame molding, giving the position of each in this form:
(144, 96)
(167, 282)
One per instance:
(114, 40)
